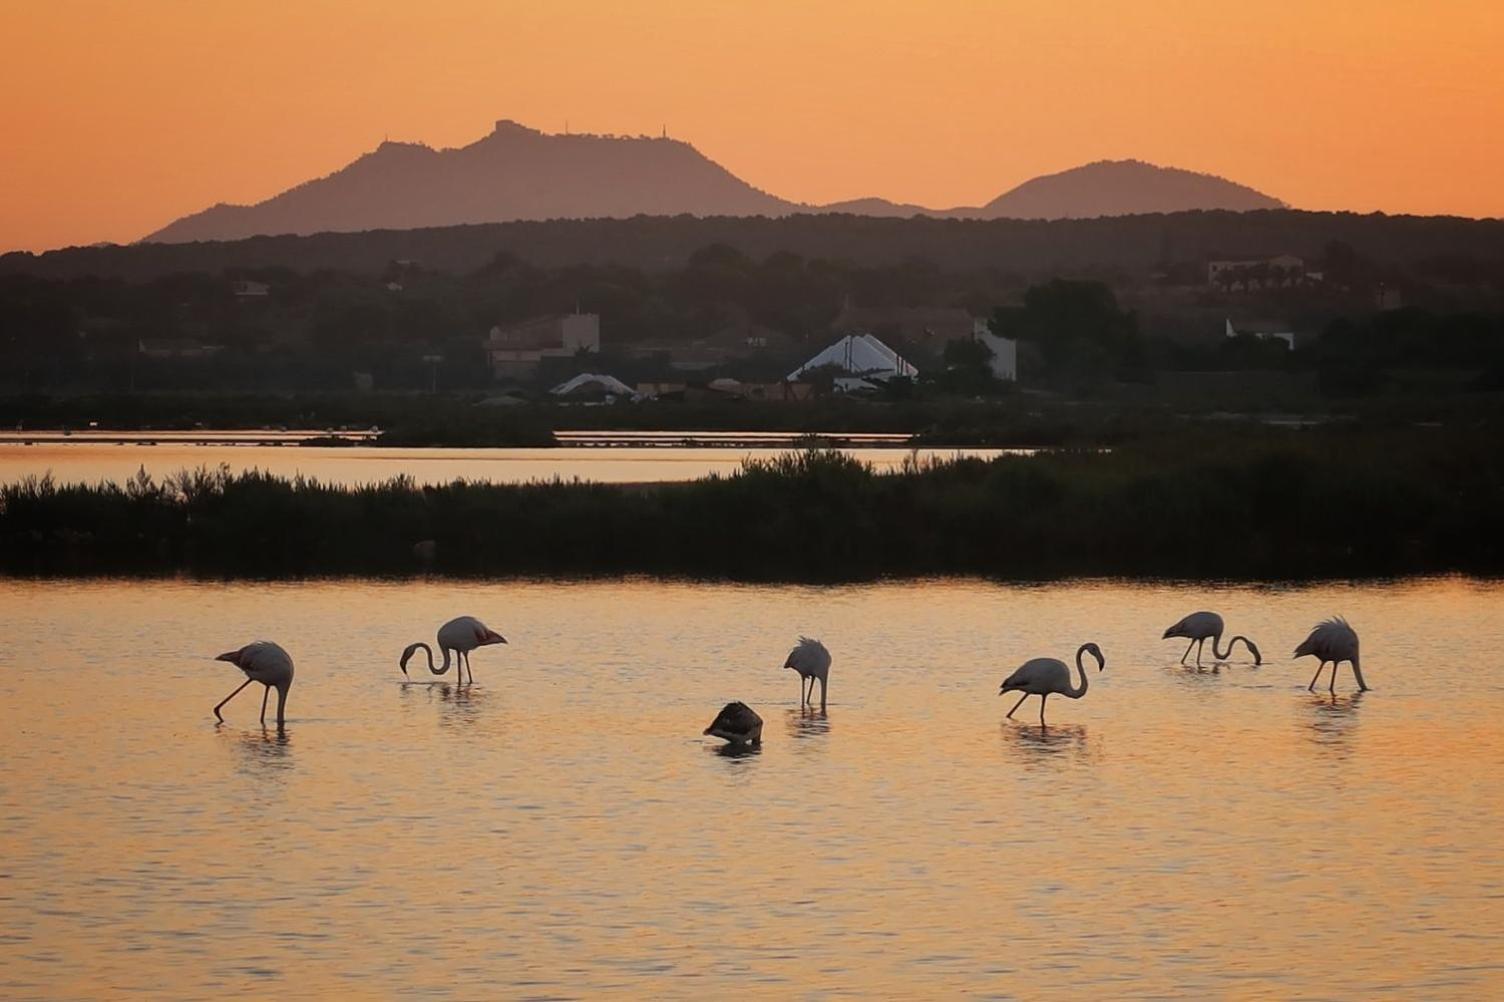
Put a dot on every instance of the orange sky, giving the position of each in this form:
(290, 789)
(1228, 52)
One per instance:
(120, 115)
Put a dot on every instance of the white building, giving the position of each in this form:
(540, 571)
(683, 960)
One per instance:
(859, 355)
(593, 385)
(518, 348)
(1004, 361)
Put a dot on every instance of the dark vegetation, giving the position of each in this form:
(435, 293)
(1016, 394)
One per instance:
(1033, 249)
(1235, 502)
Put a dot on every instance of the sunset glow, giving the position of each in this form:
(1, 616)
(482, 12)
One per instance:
(123, 116)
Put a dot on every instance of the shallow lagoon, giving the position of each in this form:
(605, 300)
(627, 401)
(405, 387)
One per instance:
(562, 829)
(91, 462)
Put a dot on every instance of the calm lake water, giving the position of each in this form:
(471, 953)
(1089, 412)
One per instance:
(92, 462)
(562, 829)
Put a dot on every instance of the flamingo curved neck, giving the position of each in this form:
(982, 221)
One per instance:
(1080, 670)
(429, 652)
(1224, 655)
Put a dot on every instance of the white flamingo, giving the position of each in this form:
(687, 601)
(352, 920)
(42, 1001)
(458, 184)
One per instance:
(264, 662)
(1044, 677)
(1334, 641)
(1198, 627)
(459, 637)
(812, 661)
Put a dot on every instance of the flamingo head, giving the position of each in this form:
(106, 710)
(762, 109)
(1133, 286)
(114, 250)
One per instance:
(1096, 652)
(492, 637)
(231, 656)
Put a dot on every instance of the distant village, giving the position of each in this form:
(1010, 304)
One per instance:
(724, 327)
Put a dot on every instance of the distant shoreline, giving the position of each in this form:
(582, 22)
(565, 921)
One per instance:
(1255, 504)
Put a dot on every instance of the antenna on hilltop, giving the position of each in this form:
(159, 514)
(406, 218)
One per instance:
(665, 130)
(566, 126)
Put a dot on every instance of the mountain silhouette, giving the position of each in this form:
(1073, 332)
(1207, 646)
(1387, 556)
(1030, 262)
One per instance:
(1122, 188)
(518, 173)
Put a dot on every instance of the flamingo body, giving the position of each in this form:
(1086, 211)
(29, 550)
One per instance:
(1198, 628)
(1335, 641)
(738, 724)
(457, 638)
(265, 662)
(1046, 677)
(812, 661)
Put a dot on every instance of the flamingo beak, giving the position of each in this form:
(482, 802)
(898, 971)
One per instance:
(497, 638)
(229, 656)
(1166, 635)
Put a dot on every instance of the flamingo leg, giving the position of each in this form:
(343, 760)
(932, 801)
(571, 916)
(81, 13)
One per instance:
(1199, 645)
(1187, 651)
(264, 697)
(1312, 686)
(1333, 687)
(1018, 704)
(1042, 700)
(231, 696)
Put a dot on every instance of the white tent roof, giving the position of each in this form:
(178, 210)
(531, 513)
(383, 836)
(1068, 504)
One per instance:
(608, 384)
(860, 355)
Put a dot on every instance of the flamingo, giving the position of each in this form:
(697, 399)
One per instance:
(1335, 641)
(812, 661)
(738, 724)
(1198, 627)
(460, 636)
(1044, 677)
(264, 662)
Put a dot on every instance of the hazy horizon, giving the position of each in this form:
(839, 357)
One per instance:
(134, 117)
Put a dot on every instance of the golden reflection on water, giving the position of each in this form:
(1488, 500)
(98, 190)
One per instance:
(562, 828)
(91, 463)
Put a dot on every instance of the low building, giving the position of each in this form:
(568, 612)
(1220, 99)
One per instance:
(516, 349)
(859, 355)
(176, 348)
(250, 290)
(725, 389)
(1279, 272)
(1265, 330)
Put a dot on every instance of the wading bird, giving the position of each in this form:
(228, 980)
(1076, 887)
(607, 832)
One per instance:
(738, 724)
(459, 636)
(264, 662)
(812, 661)
(1198, 627)
(1044, 677)
(1334, 641)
